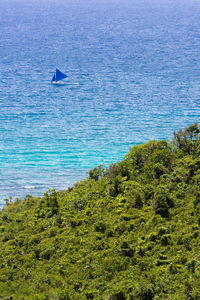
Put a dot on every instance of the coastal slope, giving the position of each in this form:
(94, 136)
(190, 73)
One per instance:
(130, 231)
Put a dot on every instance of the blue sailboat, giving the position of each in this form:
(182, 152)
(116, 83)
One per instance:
(57, 77)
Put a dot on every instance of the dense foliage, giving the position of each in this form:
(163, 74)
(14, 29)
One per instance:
(127, 232)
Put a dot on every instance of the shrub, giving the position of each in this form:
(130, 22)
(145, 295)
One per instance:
(100, 227)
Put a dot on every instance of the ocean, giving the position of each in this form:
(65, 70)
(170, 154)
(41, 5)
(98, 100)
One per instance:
(133, 75)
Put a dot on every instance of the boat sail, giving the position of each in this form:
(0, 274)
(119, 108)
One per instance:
(57, 77)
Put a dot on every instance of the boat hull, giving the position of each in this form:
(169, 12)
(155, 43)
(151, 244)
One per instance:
(57, 82)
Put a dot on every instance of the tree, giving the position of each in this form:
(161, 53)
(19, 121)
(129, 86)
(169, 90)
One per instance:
(51, 201)
(188, 139)
(162, 202)
(96, 173)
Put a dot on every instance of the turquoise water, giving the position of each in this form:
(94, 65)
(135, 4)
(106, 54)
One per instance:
(134, 75)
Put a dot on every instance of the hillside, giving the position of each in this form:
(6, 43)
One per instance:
(130, 231)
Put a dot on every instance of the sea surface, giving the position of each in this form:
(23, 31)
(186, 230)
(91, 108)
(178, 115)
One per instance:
(133, 75)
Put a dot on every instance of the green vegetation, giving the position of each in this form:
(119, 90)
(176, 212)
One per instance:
(131, 231)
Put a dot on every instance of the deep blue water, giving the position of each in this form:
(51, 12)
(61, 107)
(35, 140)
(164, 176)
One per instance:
(134, 75)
